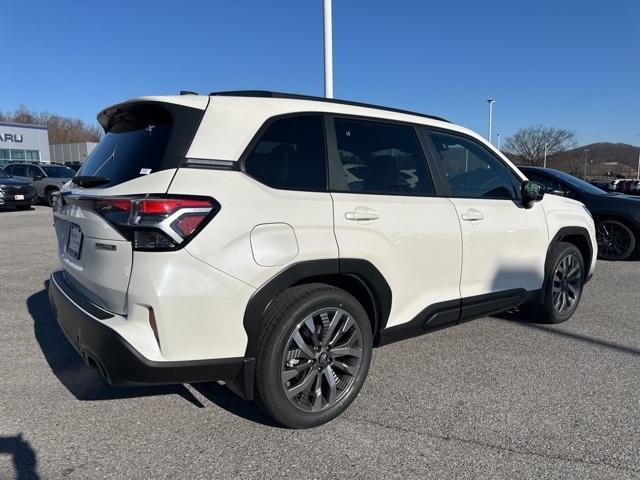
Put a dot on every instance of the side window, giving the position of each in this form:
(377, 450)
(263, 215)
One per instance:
(33, 171)
(548, 183)
(470, 170)
(290, 154)
(9, 169)
(380, 157)
(552, 185)
(19, 170)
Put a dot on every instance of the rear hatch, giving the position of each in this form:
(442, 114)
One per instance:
(144, 142)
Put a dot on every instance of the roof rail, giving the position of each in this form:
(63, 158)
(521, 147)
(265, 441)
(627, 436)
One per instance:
(295, 96)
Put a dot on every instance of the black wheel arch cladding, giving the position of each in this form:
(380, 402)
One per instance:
(358, 277)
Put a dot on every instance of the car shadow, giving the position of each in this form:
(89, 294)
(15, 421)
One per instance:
(83, 382)
(524, 319)
(87, 384)
(5, 208)
(229, 401)
(22, 455)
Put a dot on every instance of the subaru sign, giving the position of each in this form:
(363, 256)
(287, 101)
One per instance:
(10, 137)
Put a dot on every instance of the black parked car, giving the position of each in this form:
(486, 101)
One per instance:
(617, 216)
(15, 192)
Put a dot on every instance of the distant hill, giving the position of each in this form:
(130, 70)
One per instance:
(604, 159)
(604, 152)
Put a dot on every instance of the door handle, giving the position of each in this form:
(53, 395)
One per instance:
(472, 215)
(362, 214)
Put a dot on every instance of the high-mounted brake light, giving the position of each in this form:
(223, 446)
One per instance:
(155, 223)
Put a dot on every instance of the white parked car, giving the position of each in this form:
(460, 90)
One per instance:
(272, 240)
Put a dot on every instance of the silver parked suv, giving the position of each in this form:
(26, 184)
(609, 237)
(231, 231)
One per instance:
(46, 178)
(272, 240)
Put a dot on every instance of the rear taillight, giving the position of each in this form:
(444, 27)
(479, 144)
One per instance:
(154, 223)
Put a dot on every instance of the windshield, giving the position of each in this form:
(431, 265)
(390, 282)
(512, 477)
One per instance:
(4, 174)
(58, 171)
(577, 183)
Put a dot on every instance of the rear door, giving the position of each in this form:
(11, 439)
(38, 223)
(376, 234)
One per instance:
(143, 145)
(504, 243)
(386, 211)
(34, 173)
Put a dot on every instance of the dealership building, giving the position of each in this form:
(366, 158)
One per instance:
(20, 142)
(71, 152)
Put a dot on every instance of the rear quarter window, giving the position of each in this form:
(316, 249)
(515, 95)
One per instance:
(290, 154)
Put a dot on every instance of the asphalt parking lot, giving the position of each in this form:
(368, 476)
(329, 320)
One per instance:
(493, 398)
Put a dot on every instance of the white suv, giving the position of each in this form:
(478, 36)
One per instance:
(271, 240)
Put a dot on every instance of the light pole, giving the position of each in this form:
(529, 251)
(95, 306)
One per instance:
(328, 51)
(546, 145)
(498, 139)
(490, 101)
(638, 173)
(586, 156)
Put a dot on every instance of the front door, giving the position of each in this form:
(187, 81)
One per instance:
(504, 243)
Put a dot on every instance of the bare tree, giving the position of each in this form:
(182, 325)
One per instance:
(529, 143)
(61, 129)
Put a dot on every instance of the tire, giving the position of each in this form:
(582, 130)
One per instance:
(48, 196)
(616, 241)
(554, 308)
(340, 323)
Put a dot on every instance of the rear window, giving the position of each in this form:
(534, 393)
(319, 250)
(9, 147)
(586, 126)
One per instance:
(141, 139)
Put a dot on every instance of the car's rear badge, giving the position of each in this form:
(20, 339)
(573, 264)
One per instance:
(105, 246)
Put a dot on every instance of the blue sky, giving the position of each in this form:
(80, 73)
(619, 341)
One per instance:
(564, 63)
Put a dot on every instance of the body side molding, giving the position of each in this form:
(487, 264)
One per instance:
(444, 314)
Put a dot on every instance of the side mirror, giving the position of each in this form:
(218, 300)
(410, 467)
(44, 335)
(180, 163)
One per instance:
(531, 192)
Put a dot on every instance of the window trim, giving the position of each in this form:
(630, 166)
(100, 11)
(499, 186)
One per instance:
(427, 129)
(258, 136)
(335, 164)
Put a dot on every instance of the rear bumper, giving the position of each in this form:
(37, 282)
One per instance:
(102, 347)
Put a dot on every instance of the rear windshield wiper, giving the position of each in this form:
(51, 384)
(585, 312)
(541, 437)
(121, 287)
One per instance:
(89, 181)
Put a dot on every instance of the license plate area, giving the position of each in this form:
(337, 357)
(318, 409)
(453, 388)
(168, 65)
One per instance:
(74, 242)
(19, 197)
